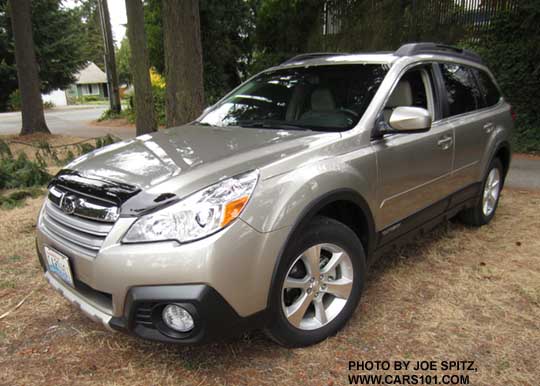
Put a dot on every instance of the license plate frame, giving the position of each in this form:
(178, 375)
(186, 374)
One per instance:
(58, 264)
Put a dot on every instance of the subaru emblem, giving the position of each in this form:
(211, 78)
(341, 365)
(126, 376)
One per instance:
(68, 204)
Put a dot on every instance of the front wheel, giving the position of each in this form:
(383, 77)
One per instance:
(319, 283)
(485, 207)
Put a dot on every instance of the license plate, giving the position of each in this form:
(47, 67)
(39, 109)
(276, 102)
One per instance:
(59, 265)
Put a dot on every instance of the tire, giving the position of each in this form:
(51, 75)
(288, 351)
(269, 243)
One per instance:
(342, 271)
(479, 215)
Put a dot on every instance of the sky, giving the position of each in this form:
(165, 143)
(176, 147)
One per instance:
(117, 11)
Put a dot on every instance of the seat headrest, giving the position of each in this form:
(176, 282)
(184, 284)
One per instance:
(322, 100)
(401, 96)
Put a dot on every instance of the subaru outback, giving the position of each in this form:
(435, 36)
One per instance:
(266, 211)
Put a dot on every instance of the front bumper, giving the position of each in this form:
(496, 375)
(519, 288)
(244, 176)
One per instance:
(79, 301)
(214, 317)
(226, 277)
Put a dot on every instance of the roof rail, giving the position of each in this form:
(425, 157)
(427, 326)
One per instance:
(312, 55)
(436, 48)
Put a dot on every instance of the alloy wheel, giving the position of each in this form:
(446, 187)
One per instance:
(317, 286)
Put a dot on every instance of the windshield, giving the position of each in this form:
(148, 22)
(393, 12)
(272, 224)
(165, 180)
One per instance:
(325, 98)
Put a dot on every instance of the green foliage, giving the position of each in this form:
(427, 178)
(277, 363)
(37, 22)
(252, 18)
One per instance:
(226, 27)
(14, 102)
(153, 26)
(28, 176)
(511, 49)
(58, 44)
(285, 28)
(123, 66)
(159, 104)
(21, 172)
(17, 198)
(88, 99)
(92, 40)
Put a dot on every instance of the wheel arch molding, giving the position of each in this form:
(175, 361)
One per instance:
(336, 199)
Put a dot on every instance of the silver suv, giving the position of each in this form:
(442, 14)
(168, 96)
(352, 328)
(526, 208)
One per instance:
(267, 210)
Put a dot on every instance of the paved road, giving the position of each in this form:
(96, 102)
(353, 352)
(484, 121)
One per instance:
(76, 121)
(524, 173)
(72, 120)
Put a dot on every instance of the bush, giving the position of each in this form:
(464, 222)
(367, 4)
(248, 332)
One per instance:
(158, 93)
(21, 172)
(16, 199)
(14, 101)
(511, 48)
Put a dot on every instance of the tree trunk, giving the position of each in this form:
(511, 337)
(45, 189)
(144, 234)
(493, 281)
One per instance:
(110, 61)
(33, 119)
(184, 99)
(140, 66)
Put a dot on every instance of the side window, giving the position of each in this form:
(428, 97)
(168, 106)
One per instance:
(461, 89)
(489, 91)
(413, 89)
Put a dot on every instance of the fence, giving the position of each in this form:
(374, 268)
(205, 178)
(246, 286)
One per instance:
(382, 24)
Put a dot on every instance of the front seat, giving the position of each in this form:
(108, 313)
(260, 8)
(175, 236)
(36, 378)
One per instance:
(401, 96)
(323, 110)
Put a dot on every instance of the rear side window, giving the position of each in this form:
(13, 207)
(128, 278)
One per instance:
(461, 88)
(488, 89)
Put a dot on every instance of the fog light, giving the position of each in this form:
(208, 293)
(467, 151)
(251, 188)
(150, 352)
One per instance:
(178, 318)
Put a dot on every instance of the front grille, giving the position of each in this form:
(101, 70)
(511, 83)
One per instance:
(80, 234)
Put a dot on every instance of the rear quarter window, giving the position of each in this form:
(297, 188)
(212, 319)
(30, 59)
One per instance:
(489, 90)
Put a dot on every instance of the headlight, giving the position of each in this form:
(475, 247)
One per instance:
(198, 215)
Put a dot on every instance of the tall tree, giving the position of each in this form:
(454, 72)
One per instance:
(184, 99)
(226, 37)
(110, 61)
(33, 118)
(91, 44)
(145, 119)
(58, 41)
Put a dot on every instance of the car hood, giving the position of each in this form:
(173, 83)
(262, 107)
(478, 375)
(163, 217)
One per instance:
(193, 156)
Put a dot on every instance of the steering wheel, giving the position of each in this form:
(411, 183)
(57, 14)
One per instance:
(350, 112)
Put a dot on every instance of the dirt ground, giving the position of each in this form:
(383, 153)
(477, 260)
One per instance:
(456, 294)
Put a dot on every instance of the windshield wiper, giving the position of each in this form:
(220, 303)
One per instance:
(271, 125)
(203, 124)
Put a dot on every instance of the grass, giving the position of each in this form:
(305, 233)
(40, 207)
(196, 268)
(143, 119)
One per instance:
(456, 294)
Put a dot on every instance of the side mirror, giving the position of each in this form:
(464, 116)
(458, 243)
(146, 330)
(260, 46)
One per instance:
(410, 120)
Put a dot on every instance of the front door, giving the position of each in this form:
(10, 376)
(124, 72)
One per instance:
(414, 169)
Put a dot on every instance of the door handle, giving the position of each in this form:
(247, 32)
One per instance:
(445, 142)
(488, 127)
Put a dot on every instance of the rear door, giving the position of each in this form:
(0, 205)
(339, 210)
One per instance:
(471, 127)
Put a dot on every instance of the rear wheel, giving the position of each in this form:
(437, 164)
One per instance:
(318, 285)
(485, 207)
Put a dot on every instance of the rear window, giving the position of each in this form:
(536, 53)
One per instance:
(461, 89)
(489, 90)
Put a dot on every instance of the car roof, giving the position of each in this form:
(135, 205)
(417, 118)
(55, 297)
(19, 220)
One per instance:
(319, 59)
(421, 50)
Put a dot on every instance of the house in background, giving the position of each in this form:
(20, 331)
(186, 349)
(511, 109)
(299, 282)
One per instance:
(90, 83)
